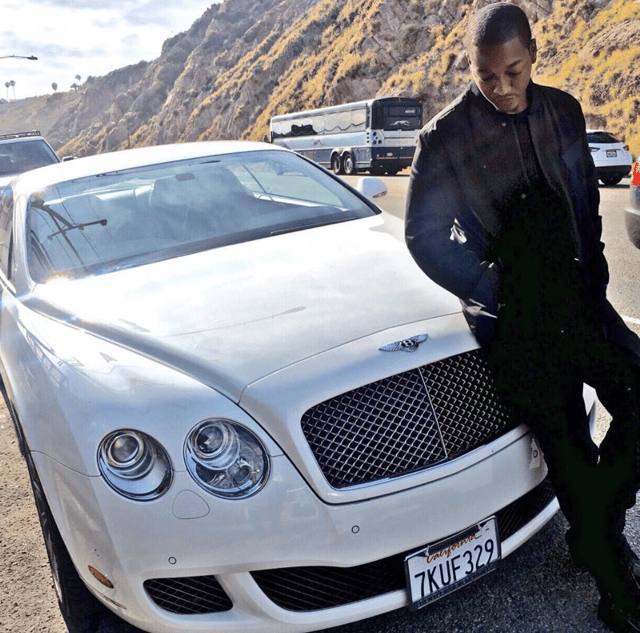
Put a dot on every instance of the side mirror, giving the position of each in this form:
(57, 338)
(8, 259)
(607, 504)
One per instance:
(371, 187)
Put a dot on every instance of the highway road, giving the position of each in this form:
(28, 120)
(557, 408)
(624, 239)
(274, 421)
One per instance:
(536, 590)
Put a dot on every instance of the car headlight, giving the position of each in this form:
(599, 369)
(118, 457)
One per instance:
(135, 465)
(226, 459)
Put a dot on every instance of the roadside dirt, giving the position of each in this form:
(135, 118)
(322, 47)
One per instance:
(27, 600)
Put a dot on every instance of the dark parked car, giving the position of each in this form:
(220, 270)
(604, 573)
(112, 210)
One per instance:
(22, 151)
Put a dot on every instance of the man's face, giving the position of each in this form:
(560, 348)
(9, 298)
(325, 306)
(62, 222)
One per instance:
(502, 73)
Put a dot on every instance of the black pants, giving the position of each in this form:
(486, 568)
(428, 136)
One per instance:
(540, 374)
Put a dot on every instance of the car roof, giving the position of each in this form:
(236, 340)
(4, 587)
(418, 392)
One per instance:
(21, 136)
(600, 131)
(129, 159)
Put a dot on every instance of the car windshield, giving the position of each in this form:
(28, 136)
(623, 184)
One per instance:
(137, 216)
(21, 156)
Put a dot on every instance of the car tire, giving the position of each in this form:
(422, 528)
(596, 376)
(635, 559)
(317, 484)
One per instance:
(336, 164)
(349, 164)
(80, 610)
(610, 181)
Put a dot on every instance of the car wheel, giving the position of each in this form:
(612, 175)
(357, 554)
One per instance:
(609, 181)
(392, 171)
(336, 164)
(80, 610)
(349, 165)
(377, 170)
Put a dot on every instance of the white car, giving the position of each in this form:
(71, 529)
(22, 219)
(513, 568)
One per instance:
(610, 156)
(242, 405)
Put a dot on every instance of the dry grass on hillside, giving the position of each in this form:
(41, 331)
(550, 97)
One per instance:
(598, 61)
(37, 113)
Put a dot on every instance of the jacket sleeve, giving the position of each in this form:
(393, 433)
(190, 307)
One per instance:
(598, 263)
(583, 186)
(435, 203)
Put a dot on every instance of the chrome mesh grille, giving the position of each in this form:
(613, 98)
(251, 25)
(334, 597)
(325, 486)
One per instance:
(407, 422)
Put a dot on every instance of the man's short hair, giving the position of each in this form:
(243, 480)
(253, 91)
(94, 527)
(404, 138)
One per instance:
(496, 24)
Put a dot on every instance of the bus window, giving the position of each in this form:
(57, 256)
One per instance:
(398, 117)
(359, 119)
(304, 128)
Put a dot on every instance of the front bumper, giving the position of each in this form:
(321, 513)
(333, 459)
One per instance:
(392, 156)
(243, 553)
(616, 171)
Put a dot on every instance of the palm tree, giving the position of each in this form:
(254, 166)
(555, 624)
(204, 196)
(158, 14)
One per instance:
(7, 84)
(54, 85)
(12, 83)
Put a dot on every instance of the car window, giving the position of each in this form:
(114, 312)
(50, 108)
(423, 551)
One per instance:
(6, 229)
(601, 137)
(132, 217)
(21, 156)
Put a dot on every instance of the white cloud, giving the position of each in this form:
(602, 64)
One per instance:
(80, 37)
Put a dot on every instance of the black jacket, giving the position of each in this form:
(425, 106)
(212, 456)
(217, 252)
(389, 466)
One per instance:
(458, 180)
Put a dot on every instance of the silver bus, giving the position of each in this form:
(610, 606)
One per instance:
(378, 135)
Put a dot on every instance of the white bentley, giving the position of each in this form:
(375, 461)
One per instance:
(242, 405)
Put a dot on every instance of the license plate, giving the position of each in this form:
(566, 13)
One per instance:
(611, 153)
(452, 563)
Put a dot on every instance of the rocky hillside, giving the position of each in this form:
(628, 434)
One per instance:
(245, 60)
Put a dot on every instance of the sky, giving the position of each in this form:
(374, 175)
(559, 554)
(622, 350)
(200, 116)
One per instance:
(83, 37)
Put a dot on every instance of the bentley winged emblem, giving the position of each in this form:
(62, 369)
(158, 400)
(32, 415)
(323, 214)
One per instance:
(406, 345)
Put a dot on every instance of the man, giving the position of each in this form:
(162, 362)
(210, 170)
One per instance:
(502, 210)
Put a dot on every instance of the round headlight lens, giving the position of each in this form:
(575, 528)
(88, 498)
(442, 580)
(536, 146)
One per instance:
(226, 459)
(125, 450)
(134, 465)
(216, 444)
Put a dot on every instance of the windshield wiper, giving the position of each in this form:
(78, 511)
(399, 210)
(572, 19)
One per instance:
(78, 225)
(311, 225)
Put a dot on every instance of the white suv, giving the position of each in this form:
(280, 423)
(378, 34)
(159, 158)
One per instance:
(23, 151)
(611, 156)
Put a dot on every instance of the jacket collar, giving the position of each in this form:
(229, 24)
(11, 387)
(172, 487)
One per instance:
(545, 134)
(533, 94)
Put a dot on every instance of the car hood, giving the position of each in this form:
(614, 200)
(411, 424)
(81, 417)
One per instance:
(233, 315)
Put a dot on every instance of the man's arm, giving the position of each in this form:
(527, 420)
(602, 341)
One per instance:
(434, 201)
